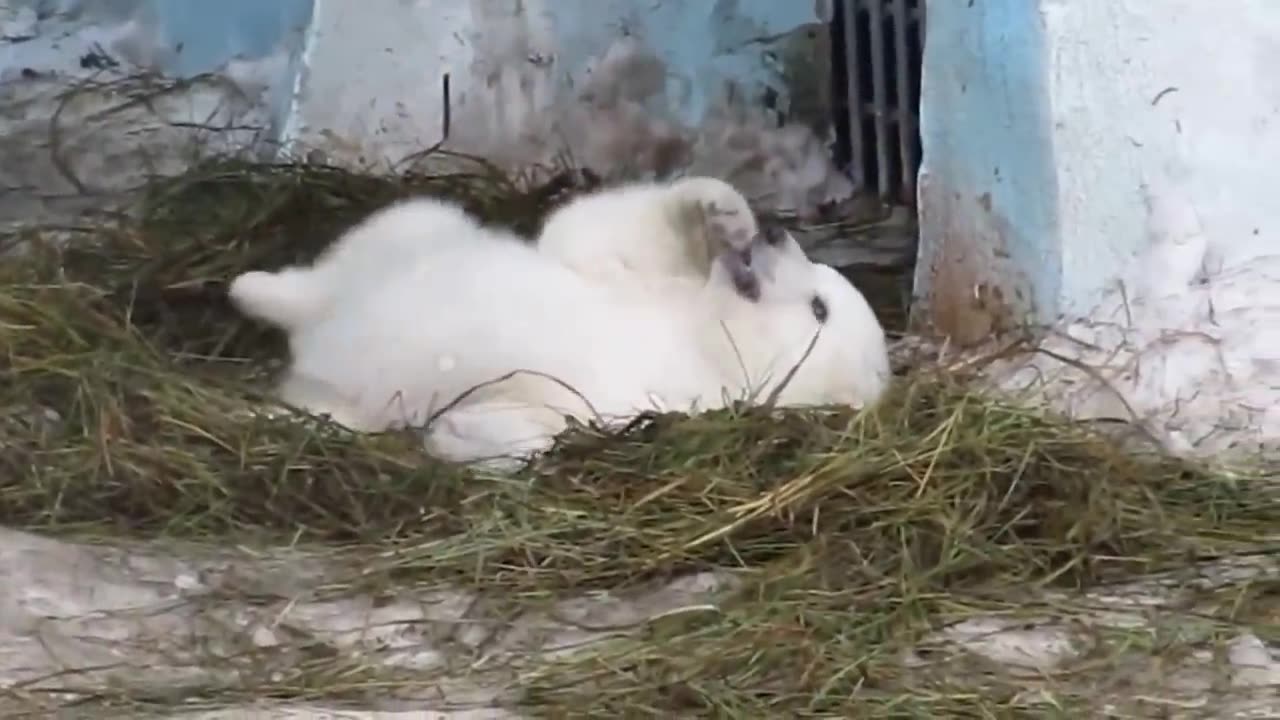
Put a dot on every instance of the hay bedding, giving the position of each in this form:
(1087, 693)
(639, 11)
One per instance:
(848, 548)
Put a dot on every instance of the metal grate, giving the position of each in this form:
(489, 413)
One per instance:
(877, 47)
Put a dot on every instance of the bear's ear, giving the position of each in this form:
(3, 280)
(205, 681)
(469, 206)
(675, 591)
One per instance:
(743, 275)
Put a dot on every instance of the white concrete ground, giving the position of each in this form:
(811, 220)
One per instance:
(147, 620)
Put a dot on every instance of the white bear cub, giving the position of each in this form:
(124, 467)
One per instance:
(420, 309)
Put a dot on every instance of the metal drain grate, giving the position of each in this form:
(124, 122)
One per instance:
(877, 47)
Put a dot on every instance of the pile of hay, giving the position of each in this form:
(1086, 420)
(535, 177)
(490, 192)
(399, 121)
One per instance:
(123, 413)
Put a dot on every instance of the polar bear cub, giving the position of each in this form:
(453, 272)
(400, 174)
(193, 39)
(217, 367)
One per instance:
(421, 314)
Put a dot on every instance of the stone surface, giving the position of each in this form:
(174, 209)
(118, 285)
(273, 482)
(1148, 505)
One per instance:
(145, 620)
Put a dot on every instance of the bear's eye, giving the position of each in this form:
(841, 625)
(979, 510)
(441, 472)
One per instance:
(819, 307)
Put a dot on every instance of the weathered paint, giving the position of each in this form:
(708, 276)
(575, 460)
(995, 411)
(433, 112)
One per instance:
(366, 88)
(373, 82)
(206, 36)
(1136, 141)
(176, 38)
(988, 254)
(1153, 97)
(1048, 125)
(210, 34)
(65, 140)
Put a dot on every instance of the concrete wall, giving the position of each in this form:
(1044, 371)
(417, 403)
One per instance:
(1109, 166)
(372, 86)
(97, 95)
(211, 34)
(1049, 125)
(172, 37)
(377, 76)
(362, 83)
(989, 250)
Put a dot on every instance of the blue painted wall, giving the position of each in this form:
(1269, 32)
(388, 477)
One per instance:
(703, 42)
(363, 83)
(987, 196)
(193, 37)
(180, 38)
(211, 33)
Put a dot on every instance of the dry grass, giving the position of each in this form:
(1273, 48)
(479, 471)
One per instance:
(127, 378)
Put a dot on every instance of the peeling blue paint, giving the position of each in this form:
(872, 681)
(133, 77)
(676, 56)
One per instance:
(211, 33)
(178, 38)
(704, 44)
(987, 136)
(369, 82)
(205, 36)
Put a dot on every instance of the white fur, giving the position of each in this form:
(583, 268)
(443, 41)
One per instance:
(399, 340)
(651, 234)
(386, 242)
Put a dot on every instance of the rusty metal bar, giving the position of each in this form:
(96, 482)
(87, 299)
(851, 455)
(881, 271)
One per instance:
(869, 108)
(879, 92)
(857, 159)
(906, 118)
(921, 12)
(890, 51)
